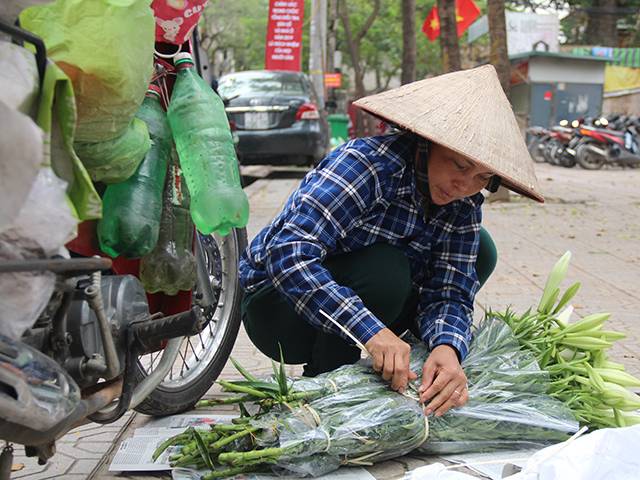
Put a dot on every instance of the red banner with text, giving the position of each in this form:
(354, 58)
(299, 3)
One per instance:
(283, 49)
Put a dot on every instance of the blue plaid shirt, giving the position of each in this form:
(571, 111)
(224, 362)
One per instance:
(367, 192)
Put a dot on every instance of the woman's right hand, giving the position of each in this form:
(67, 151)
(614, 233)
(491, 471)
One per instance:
(390, 357)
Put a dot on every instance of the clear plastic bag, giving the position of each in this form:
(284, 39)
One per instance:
(350, 416)
(41, 228)
(23, 296)
(508, 406)
(45, 223)
(358, 426)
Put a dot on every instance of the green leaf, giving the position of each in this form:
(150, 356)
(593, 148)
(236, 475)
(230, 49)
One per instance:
(242, 370)
(202, 448)
(258, 385)
(167, 443)
(282, 376)
(568, 295)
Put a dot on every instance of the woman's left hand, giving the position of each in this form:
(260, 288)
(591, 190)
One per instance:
(444, 384)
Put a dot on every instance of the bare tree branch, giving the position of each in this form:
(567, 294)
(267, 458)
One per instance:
(370, 19)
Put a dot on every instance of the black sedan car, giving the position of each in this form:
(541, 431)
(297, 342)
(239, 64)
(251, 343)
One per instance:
(276, 117)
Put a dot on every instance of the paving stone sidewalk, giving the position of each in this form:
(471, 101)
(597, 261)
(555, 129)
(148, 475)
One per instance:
(595, 214)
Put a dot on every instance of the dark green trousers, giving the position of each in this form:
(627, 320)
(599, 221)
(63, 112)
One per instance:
(379, 274)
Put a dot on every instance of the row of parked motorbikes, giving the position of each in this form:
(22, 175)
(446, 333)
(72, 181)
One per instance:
(591, 143)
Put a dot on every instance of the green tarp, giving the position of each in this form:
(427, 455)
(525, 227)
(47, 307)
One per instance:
(623, 57)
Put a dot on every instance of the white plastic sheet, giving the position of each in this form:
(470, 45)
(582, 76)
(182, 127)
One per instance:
(436, 471)
(18, 77)
(21, 154)
(608, 454)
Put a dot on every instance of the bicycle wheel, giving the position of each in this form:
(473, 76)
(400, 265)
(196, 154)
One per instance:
(201, 357)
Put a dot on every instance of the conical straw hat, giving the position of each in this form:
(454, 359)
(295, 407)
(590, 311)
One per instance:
(468, 112)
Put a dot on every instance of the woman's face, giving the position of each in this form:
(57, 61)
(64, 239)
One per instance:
(452, 176)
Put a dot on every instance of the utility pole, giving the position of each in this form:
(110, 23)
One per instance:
(318, 47)
(332, 28)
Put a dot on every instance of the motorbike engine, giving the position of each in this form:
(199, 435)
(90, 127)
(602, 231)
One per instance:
(124, 301)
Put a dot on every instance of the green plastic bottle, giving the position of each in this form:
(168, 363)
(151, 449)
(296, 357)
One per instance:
(132, 209)
(171, 266)
(205, 147)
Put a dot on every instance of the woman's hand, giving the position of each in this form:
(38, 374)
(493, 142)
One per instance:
(444, 384)
(390, 357)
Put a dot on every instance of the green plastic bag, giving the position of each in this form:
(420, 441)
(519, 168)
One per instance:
(106, 49)
(57, 118)
(115, 160)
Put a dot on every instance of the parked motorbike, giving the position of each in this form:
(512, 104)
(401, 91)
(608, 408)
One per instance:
(589, 142)
(554, 146)
(558, 149)
(96, 351)
(537, 140)
(602, 146)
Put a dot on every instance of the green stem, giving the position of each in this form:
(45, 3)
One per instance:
(222, 401)
(229, 472)
(226, 427)
(227, 440)
(238, 458)
(185, 460)
(230, 386)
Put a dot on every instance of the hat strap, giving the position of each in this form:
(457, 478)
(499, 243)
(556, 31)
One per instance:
(494, 183)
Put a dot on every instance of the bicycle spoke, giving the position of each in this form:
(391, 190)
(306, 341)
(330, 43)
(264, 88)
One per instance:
(193, 349)
(184, 363)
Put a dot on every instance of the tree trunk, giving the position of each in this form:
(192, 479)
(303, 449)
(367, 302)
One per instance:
(499, 56)
(601, 24)
(408, 41)
(608, 23)
(449, 36)
(353, 41)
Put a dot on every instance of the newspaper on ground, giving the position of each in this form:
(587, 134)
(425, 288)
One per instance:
(135, 453)
(491, 465)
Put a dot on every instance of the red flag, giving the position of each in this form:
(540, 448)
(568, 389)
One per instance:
(466, 14)
(431, 26)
